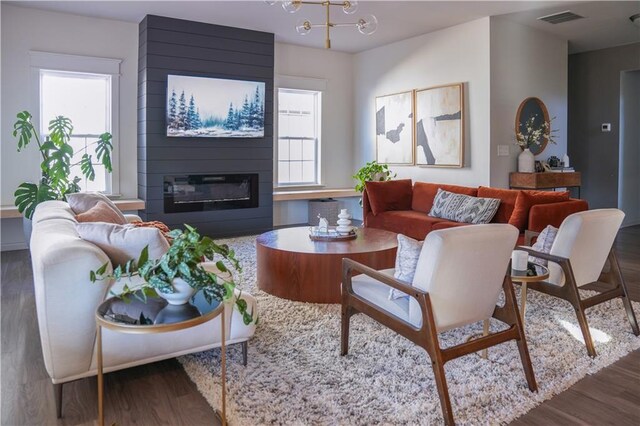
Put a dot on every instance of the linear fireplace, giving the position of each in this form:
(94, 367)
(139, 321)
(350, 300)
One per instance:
(193, 193)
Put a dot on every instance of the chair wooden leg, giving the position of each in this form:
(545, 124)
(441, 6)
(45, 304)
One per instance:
(584, 326)
(443, 392)
(245, 350)
(57, 392)
(347, 312)
(617, 275)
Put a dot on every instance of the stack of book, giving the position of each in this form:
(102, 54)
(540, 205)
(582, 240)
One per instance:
(562, 169)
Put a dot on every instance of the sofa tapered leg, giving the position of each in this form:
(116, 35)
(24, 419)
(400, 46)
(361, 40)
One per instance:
(245, 350)
(57, 392)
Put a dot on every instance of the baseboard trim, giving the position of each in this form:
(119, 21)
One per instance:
(13, 246)
(632, 222)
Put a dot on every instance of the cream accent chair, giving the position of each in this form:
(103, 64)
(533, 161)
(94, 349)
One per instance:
(581, 249)
(459, 277)
(66, 302)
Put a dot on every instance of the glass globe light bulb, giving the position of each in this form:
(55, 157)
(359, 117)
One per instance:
(270, 2)
(350, 6)
(303, 27)
(291, 6)
(367, 25)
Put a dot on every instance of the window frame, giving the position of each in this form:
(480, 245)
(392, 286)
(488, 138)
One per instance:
(299, 84)
(66, 64)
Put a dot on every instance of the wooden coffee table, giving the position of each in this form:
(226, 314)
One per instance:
(293, 267)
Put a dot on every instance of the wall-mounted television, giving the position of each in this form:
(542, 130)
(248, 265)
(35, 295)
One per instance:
(205, 107)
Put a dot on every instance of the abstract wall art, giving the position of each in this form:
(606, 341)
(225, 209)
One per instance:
(394, 128)
(440, 126)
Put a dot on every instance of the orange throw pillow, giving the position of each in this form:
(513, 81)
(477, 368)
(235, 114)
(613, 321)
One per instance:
(507, 197)
(101, 212)
(527, 199)
(390, 195)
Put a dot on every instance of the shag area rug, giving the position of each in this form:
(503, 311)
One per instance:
(296, 375)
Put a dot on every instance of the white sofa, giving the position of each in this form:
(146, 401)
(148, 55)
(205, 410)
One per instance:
(66, 301)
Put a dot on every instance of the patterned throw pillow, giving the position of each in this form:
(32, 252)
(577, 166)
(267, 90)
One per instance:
(406, 262)
(464, 208)
(543, 244)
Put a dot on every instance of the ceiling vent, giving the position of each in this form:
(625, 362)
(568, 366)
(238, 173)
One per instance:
(560, 17)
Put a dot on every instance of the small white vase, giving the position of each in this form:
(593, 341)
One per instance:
(526, 162)
(182, 292)
(344, 224)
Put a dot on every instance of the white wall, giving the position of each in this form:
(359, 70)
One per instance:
(524, 62)
(29, 29)
(337, 119)
(455, 54)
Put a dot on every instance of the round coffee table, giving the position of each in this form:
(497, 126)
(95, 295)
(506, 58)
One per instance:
(293, 267)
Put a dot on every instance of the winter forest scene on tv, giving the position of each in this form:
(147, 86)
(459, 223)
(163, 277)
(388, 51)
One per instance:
(214, 108)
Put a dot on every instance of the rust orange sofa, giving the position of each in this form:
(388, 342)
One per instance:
(403, 207)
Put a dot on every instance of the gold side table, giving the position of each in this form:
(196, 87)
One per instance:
(157, 316)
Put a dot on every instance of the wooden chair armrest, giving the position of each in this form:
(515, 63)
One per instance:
(546, 256)
(528, 236)
(349, 266)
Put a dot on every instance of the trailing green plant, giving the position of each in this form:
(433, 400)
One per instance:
(56, 181)
(182, 260)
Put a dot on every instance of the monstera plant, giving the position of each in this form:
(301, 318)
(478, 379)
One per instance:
(56, 166)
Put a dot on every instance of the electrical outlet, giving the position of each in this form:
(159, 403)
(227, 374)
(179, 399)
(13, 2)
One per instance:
(503, 150)
(606, 127)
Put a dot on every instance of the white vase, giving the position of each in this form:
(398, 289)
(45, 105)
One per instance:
(526, 162)
(344, 224)
(182, 292)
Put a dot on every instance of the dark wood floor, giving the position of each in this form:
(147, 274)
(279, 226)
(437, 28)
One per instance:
(162, 394)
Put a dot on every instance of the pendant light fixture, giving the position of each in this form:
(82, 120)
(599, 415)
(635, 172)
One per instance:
(366, 25)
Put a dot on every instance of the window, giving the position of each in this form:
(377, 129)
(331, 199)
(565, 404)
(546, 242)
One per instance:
(86, 100)
(298, 137)
(86, 90)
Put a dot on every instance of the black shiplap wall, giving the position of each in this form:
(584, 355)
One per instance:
(178, 47)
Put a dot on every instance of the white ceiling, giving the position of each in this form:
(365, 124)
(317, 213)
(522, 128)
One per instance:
(607, 23)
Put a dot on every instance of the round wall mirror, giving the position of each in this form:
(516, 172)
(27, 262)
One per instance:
(533, 107)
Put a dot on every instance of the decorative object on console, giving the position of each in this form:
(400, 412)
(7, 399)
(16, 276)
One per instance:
(526, 161)
(182, 263)
(440, 126)
(533, 126)
(344, 224)
(214, 107)
(394, 124)
(372, 172)
(56, 166)
(366, 25)
(463, 208)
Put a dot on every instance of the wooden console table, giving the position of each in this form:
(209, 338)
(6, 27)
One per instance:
(547, 180)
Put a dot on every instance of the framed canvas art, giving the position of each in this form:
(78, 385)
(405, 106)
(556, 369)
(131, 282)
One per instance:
(204, 107)
(394, 128)
(440, 126)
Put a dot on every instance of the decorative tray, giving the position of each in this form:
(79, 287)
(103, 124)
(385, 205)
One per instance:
(331, 235)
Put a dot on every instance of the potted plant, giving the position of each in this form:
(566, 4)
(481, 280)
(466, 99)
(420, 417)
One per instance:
(179, 273)
(56, 166)
(529, 135)
(372, 172)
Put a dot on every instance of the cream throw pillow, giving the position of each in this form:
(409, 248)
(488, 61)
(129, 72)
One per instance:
(81, 202)
(406, 261)
(123, 242)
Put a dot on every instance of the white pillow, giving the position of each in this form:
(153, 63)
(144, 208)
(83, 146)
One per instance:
(81, 202)
(123, 242)
(543, 244)
(406, 261)
(463, 208)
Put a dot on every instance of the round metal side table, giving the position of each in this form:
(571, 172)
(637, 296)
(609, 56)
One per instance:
(152, 316)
